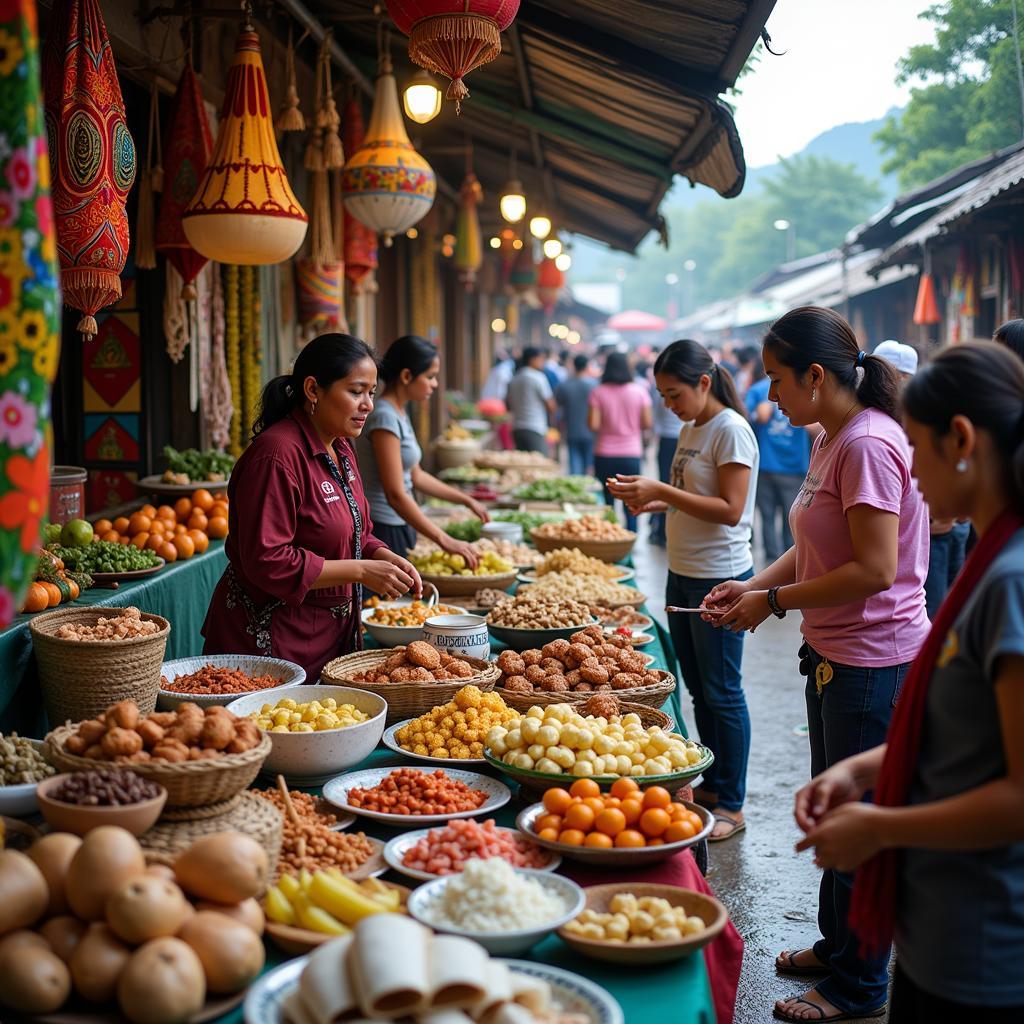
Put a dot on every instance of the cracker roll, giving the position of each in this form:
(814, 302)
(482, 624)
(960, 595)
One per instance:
(444, 1017)
(497, 988)
(390, 966)
(325, 985)
(533, 993)
(457, 970)
(508, 1013)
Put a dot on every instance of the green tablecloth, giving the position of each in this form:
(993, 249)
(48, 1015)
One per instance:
(179, 592)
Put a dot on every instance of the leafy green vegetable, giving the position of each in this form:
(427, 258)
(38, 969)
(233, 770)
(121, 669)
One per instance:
(557, 489)
(199, 466)
(105, 556)
(464, 529)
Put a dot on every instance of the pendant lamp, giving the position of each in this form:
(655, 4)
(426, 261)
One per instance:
(189, 144)
(92, 156)
(360, 242)
(388, 186)
(244, 211)
(469, 250)
(452, 37)
(550, 281)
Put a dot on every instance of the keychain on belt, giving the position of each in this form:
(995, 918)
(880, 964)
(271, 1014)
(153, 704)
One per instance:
(823, 675)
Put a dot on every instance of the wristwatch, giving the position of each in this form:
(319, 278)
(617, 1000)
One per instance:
(773, 602)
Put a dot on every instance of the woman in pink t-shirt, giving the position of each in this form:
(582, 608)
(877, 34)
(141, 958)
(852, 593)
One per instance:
(856, 573)
(620, 412)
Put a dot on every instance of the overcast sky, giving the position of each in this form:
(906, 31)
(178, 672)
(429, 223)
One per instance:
(839, 66)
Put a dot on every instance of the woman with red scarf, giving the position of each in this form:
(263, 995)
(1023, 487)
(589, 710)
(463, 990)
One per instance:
(940, 852)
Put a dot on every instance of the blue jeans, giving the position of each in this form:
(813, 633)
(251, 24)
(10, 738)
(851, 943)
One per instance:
(850, 715)
(608, 465)
(776, 493)
(666, 453)
(946, 556)
(581, 456)
(710, 660)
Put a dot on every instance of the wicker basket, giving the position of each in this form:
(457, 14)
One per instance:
(176, 831)
(80, 679)
(405, 700)
(188, 783)
(460, 586)
(606, 550)
(652, 696)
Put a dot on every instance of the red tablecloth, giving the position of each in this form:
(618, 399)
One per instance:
(723, 956)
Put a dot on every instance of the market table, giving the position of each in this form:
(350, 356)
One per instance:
(180, 592)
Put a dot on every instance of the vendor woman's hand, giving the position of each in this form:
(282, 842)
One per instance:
(478, 510)
(406, 566)
(460, 547)
(848, 836)
(634, 490)
(825, 792)
(386, 577)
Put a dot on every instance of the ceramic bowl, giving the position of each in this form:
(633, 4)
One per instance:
(310, 758)
(527, 639)
(398, 636)
(288, 672)
(458, 634)
(19, 800)
(424, 898)
(78, 819)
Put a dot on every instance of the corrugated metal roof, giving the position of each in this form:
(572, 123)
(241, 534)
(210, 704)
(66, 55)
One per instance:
(604, 102)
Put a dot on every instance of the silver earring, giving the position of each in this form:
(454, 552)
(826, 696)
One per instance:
(961, 466)
(814, 394)
(312, 409)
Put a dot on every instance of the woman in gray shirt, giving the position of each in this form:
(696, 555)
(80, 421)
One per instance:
(389, 454)
(940, 853)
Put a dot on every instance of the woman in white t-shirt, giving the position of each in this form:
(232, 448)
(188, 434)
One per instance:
(710, 511)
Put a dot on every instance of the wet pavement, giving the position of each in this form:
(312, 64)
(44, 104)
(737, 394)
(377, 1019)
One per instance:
(770, 891)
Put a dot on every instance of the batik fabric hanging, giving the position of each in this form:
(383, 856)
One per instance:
(469, 250)
(360, 241)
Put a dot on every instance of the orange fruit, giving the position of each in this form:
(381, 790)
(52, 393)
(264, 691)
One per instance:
(201, 541)
(631, 810)
(654, 821)
(696, 821)
(580, 816)
(156, 542)
(102, 526)
(571, 837)
(219, 508)
(624, 788)
(148, 510)
(218, 528)
(657, 796)
(203, 499)
(678, 831)
(612, 801)
(546, 821)
(141, 540)
(169, 523)
(655, 842)
(584, 788)
(556, 800)
(157, 528)
(124, 539)
(183, 509)
(598, 841)
(168, 552)
(139, 523)
(549, 834)
(165, 512)
(610, 821)
(630, 838)
(198, 520)
(180, 529)
(595, 803)
(678, 811)
(111, 535)
(184, 546)
(121, 524)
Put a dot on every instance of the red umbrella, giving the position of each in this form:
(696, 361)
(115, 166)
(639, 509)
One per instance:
(636, 320)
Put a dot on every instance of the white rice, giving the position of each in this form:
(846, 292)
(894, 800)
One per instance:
(488, 896)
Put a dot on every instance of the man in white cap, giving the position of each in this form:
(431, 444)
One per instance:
(903, 357)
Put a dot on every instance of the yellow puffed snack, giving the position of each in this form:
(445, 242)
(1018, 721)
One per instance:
(456, 729)
(313, 716)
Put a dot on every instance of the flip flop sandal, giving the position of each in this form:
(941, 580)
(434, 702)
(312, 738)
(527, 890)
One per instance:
(735, 823)
(784, 964)
(822, 1016)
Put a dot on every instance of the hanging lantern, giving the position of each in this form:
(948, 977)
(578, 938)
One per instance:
(524, 272)
(452, 37)
(92, 156)
(388, 185)
(244, 211)
(469, 250)
(550, 281)
(360, 241)
(189, 144)
(926, 309)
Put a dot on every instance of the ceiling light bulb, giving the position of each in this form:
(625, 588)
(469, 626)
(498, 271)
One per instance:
(552, 248)
(422, 97)
(553, 330)
(573, 338)
(498, 325)
(517, 243)
(540, 226)
(513, 202)
(495, 242)
(563, 262)
(412, 233)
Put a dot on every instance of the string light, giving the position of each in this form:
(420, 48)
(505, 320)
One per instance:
(498, 325)
(540, 226)
(552, 248)
(563, 262)
(495, 242)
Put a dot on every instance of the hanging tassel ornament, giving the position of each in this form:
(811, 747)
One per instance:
(151, 181)
(233, 356)
(289, 118)
(328, 117)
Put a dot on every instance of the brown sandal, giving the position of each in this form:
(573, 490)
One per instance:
(735, 825)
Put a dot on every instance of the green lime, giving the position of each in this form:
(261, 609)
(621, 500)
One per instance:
(76, 533)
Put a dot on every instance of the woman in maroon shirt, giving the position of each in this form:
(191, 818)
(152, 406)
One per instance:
(301, 540)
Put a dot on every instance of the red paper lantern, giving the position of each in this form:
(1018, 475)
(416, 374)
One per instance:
(452, 37)
(926, 309)
(550, 281)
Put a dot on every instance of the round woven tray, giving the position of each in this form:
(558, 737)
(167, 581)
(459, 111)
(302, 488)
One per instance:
(606, 550)
(177, 831)
(188, 783)
(80, 678)
(405, 700)
(459, 586)
(649, 696)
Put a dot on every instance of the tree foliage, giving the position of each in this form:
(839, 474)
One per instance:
(968, 102)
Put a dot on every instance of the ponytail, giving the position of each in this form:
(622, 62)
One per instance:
(688, 361)
(814, 334)
(410, 352)
(984, 382)
(327, 358)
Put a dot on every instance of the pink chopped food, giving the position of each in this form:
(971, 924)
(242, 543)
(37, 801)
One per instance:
(444, 851)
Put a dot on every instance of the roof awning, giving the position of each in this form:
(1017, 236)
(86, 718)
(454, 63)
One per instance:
(603, 101)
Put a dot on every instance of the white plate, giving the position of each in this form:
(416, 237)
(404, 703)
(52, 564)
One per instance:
(264, 1002)
(390, 741)
(398, 847)
(337, 789)
(624, 575)
(637, 639)
(648, 622)
(156, 485)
